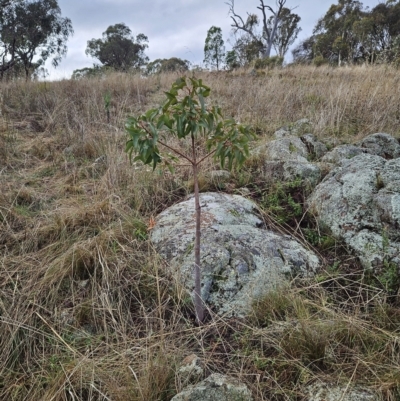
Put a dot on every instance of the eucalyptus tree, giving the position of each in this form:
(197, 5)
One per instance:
(119, 49)
(173, 64)
(186, 117)
(268, 31)
(214, 49)
(31, 32)
(287, 30)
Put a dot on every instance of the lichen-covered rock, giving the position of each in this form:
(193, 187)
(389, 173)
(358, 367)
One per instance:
(331, 392)
(316, 149)
(215, 387)
(286, 160)
(289, 171)
(240, 259)
(342, 153)
(190, 371)
(360, 203)
(297, 128)
(381, 144)
(287, 148)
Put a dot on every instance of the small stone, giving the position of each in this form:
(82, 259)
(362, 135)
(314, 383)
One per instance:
(190, 371)
(216, 387)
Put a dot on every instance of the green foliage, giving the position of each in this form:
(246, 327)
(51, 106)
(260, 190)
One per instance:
(268, 62)
(389, 277)
(319, 60)
(231, 60)
(318, 239)
(282, 201)
(90, 72)
(186, 114)
(214, 49)
(173, 64)
(246, 50)
(119, 49)
(349, 33)
(31, 30)
(335, 39)
(287, 31)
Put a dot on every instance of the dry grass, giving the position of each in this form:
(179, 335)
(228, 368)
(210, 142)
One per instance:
(87, 309)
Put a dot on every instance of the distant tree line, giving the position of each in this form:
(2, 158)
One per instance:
(349, 33)
(34, 31)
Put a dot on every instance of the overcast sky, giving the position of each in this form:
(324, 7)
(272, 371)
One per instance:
(175, 28)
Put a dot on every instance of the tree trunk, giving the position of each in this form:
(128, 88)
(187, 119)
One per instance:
(198, 302)
(271, 37)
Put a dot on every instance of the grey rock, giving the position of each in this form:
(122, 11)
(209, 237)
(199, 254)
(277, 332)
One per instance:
(220, 174)
(381, 144)
(240, 259)
(321, 391)
(315, 148)
(308, 173)
(68, 151)
(360, 203)
(282, 133)
(287, 157)
(286, 160)
(342, 153)
(299, 127)
(215, 387)
(287, 148)
(190, 371)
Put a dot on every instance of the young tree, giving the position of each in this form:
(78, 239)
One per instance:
(267, 35)
(30, 29)
(286, 30)
(119, 49)
(186, 116)
(231, 60)
(214, 49)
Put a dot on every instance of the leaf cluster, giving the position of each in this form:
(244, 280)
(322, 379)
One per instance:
(186, 115)
(30, 29)
(119, 49)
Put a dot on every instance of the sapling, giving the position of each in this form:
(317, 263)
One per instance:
(186, 116)
(107, 103)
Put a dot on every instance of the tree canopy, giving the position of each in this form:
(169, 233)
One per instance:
(30, 33)
(286, 30)
(350, 33)
(173, 64)
(264, 38)
(119, 49)
(214, 49)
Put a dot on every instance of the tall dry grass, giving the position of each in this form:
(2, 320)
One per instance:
(88, 310)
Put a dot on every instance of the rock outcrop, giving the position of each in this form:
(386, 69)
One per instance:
(241, 260)
(360, 203)
(288, 157)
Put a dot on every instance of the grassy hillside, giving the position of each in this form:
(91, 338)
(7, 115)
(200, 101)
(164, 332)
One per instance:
(87, 309)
